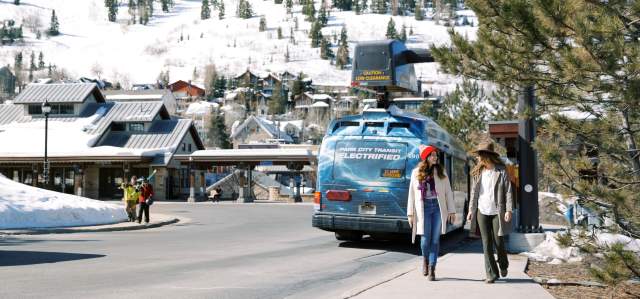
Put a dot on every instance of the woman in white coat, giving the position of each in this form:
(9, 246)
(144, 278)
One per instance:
(430, 204)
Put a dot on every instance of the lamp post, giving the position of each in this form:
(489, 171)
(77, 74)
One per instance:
(46, 109)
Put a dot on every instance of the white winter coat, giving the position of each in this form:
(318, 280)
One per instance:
(415, 204)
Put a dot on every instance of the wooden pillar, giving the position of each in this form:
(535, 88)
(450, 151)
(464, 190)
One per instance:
(78, 180)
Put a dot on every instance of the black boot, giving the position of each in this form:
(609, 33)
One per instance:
(432, 273)
(425, 267)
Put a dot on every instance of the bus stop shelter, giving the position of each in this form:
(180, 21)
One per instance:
(245, 160)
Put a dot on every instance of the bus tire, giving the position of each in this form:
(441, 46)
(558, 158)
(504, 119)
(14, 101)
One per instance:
(348, 235)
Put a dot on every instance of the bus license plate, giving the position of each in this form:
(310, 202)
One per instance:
(367, 209)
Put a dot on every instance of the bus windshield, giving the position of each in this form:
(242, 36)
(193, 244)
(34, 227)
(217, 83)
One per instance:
(357, 160)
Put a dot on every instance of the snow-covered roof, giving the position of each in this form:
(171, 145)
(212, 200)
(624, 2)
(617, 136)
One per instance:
(273, 154)
(58, 93)
(320, 105)
(265, 125)
(200, 108)
(10, 113)
(230, 96)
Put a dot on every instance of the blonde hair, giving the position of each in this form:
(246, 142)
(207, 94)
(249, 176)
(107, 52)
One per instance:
(484, 161)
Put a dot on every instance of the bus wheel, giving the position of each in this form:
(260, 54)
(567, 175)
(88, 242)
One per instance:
(348, 235)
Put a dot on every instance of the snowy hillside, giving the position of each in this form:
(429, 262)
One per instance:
(23, 206)
(90, 45)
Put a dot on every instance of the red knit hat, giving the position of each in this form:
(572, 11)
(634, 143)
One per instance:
(425, 151)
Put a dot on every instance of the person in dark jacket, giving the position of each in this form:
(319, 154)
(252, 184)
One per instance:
(146, 194)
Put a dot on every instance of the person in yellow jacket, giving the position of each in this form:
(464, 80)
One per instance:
(130, 198)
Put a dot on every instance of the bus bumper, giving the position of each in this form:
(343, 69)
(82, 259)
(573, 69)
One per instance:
(336, 222)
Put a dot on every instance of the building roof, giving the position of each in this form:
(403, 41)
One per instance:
(136, 95)
(5, 70)
(10, 113)
(165, 134)
(59, 93)
(320, 105)
(126, 112)
(264, 124)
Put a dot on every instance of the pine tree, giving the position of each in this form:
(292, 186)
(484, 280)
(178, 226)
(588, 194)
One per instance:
(280, 33)
(205, 11)
(286, 55)
(315, 34)
(132, 11)
(112, 6)
(54, 28)
(419, 14)
(565, 49)
(322, 17)
(244, 9)
(356, 7)
(325, 49)
(298, 85)
(391, 30)
(381, 6)
(342, 56)
(364, 5)
(277, 1)
(50, 71)
(16, 2)
(263, 24)
(165, 5)
(214, 4)
(221, 10)
(41, 61)
(289, 5)
(217, 133)
(309, 11)
(277, 102)
(403, 34)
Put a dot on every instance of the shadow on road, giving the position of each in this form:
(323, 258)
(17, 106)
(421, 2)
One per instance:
(21, 258)
(13, 241)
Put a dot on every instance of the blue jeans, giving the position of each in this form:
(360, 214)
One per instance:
(430, 240)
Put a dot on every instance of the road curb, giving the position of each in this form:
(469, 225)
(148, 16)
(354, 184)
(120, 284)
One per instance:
(90, 229)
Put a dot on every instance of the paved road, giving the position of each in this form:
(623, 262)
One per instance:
(223, 251)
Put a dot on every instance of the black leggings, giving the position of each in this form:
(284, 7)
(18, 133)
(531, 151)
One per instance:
(143, 207)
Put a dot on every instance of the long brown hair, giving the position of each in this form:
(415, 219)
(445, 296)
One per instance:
(424, 170)
(484, 159)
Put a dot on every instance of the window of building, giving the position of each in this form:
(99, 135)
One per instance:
(66, 109)
(35, 109)
(136, 127)
(184, 147)
(117, 127)
(189, 146)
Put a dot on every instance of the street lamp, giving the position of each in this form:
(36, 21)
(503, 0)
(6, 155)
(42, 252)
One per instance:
(46, 109)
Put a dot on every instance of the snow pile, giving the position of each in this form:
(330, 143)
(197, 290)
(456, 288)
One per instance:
(201, 108)
(23, 206)
(550, 251)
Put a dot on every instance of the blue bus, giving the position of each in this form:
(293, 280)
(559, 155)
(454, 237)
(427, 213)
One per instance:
(364, 169)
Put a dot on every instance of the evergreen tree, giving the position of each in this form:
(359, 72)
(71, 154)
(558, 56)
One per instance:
(217, 133)
(54, 28)
(165, 5)
(16, 2)
(244, 9)
(356, 7)
(277, 102)
(364, 5)
(289, 5)
(263, 24)
(343, 4)
(277, 1)
(325, 49)
(41, 61)
(322, 17)
(205, 11)
(292, 37)
(132, 11)
(280, 33)
(565, 49)
(403, 34)
(419, 14)
(286, 55)
(214, 4)
(381, 6)
(391, 30)
(17, 65)
(315, 34)
(50, 71)
(298, 85)
(462, 113)
(112, 6)
(219, 87)
(309, 11)
(221, 10)
(342, 56)
(32, 66)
